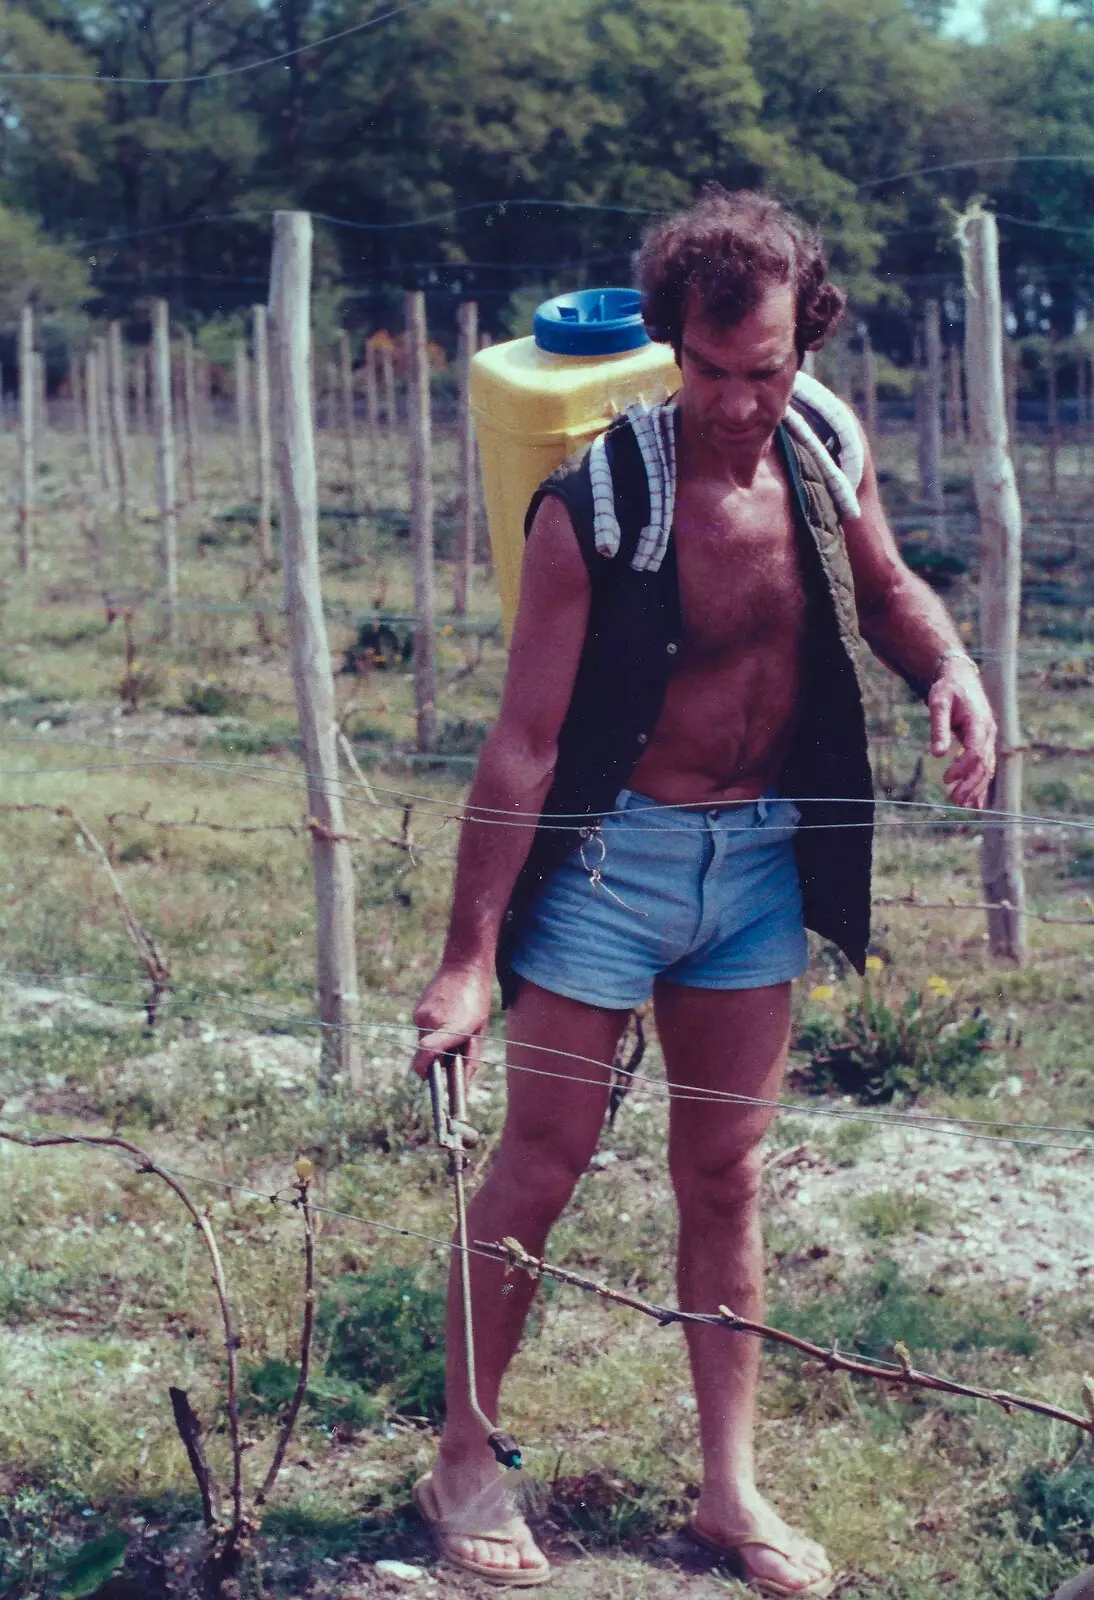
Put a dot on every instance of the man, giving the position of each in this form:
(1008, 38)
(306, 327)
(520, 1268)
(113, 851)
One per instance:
(667, 710)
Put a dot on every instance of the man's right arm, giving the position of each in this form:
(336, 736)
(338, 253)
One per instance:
(512, 781)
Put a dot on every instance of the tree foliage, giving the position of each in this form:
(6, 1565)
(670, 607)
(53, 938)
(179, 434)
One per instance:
(468, 112)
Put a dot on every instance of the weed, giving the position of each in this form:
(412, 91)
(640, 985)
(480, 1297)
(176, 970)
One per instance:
(882, 1046)
(332, 1402)
(887, 1215)
(872, 1312)
(607, 1511)
(1058, 1508)
(208, 698)
(386, 1331)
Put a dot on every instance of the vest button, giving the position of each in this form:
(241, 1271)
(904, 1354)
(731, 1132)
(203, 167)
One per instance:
(671, 648)
(642, 738)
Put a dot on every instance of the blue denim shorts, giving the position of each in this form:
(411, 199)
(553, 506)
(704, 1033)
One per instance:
(709, 899)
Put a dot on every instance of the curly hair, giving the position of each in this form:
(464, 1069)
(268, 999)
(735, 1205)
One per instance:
(726, 251)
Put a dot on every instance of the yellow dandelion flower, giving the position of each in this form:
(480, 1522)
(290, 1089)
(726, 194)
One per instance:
(939, 986)
(874, 964)
(822, 991)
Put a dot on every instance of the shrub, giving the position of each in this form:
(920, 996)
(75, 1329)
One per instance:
(385, 1331)
(332, 1402)
(883, 1046)
(1058, 1508)
(207, 698)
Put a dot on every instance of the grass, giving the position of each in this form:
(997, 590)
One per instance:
(104, 1296)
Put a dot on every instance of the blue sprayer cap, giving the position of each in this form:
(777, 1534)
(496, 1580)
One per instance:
(591, 322)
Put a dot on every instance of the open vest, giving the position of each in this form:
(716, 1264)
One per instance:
(632, 642)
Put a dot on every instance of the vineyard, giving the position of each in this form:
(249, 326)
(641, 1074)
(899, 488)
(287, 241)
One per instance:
(928, 1184)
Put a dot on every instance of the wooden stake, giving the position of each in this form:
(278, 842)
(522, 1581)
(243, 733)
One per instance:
(102, 389)
(28, 409)
(930, 455)
(243, 413)
(290, 340)
(91, 414)
(464, 570)
(262, 422)
(40, 397)
(421, 521)
(957, 399)
(163, 428)
(189, 418)
(391, 412)
(119, 437)
(372, 408)
(869, 386)
(349, 418)
(1053, 453)
(140, 392)
(1000, 574)
(1010, 384)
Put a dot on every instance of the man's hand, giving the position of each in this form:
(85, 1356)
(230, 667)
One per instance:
(958, 705)
(452, 1016)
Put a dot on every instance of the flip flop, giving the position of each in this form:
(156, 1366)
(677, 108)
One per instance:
(425, 1498)
(733, 1546)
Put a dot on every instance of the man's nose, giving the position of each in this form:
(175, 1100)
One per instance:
(737, 404)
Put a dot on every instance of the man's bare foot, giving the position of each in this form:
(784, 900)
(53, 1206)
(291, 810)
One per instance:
(795, 1562)
(471, 1496)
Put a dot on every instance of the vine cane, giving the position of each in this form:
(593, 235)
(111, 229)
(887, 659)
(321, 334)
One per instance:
(455, 1134)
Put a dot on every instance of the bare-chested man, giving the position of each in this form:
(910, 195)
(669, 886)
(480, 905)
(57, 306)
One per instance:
(720, 685)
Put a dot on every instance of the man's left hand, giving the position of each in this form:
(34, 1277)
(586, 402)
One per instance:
(958, 705)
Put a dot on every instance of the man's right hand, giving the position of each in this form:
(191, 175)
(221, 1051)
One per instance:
(452, 1016)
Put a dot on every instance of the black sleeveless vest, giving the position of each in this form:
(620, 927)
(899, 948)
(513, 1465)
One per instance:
(631, 645)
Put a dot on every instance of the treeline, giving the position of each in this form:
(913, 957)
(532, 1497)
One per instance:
(468, 112)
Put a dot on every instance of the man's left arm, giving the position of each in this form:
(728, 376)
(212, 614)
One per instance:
(907, 626)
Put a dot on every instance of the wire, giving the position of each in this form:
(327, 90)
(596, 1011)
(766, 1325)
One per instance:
(554, 821)
(223, 72)
(926, 1122)
(962, 166)
(41, 1131)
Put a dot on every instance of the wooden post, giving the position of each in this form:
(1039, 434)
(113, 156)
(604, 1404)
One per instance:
(40, 397)
(189, 417)
(163, 427)
(140, 392)
(349, 417)
(243, 413)
(290, 339)
(465, 544)
(262, 423)
(842, 361)
(391, 414)
(421, 521)
(91, 413)
(102, 375)
(372, 407)
(930, 457)
(1010, 383)
(1000, 574)
(957, 399)
(1053, 454)
(78, 412)
(869, 388)
(119, 438)
(28, 408)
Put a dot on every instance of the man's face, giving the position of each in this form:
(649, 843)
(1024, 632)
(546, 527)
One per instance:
(737, 381)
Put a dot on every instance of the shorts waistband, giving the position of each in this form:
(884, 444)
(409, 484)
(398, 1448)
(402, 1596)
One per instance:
(744, 812)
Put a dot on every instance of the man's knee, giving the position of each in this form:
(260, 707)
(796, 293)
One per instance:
(716, 1180)
(541, 1173)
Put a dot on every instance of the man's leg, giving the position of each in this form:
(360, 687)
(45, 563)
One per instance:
(552, 1125)
(733, 1040)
